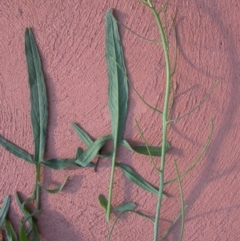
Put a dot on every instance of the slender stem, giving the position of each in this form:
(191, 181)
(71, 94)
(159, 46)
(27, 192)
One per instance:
(37, 187)
(164, 120)
(111, 184)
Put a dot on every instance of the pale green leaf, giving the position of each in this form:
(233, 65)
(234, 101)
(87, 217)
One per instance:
(103, 201)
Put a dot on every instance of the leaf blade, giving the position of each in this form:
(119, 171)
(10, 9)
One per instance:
(117, 85)
(154, 150)
(133, 176)
(4, 210)
(129, 206)
(15, 150)
(38, 95)
(86, 157)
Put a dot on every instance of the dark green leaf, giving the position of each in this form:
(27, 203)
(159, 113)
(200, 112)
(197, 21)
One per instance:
(86, 157)
(23, 234)
(55, 190)
(125, 207)
(4, 210)
(15, 150)
(154, 150)
(103, 201)
(117, 85)
(10, 233)
(130, 174)
(38, 95)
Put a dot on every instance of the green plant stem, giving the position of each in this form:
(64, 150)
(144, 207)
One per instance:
(164, 119)
(111, 184)
(37, 187)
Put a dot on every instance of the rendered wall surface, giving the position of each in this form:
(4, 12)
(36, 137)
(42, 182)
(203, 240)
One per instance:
(71, 39)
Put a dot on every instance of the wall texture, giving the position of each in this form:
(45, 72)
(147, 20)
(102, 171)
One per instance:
(71, 39)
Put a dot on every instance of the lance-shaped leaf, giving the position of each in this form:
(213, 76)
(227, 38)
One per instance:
(87, 156)
(15, 150)
(133, 176)
(4, 210)
(9, 231)
(145, 150)
(38, 95)
(117, 85)
(117, 91)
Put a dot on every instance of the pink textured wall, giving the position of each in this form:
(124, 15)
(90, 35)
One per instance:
(71, 38)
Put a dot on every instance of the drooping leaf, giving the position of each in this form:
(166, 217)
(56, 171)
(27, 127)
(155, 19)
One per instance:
(55, 190)
(125, 207)
(133, 176)
(4, 210)
(82, 134)
(15, 150)
(87, 156)
(9, 231)
(117, 85)
(154, 150)
(103, 201)
(86, 139)
(38, 95)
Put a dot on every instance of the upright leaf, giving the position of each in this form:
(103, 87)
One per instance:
(15, 150)
(4, 210)
(117, 91)
(10, 233)
(117, 85)
(38, 95)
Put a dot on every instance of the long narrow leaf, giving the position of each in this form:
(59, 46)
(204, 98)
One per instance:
(154, 150)
(25, 212)
(4, 210)
(15, 150)
(55, 190)
(59, 164)
(117, 91)
(38, 95)
(87, 156)
(23, 234)
(10, 233)
(133, 176)
(35, 234)
(117, 85)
